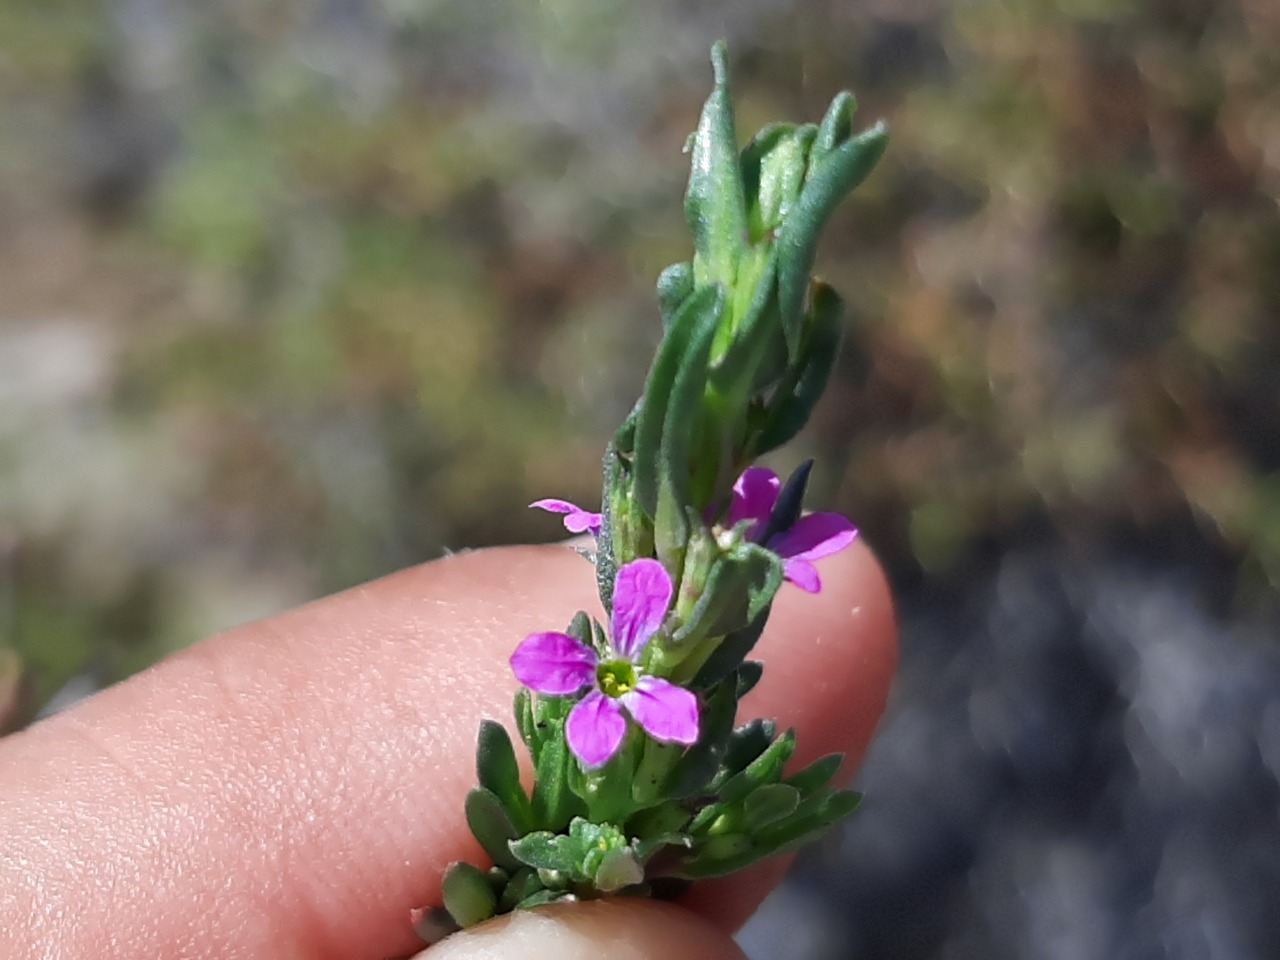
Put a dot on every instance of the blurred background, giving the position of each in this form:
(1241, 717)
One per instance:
(296, 294)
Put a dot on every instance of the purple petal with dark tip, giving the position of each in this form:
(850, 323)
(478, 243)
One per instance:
(813, 537)
(754, 495)
(576, 520)
(595, 729)
(641, 595)
(666, 712)
(554, 663)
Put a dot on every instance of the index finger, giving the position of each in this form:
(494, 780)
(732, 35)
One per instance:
(293, 787)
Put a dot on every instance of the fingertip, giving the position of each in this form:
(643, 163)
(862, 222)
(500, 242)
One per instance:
(621, 929)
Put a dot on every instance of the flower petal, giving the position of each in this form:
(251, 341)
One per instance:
(803, 574)
(595, 729)
(754, 495)
(668, 713)
(576, 519)
(554, 663)
(641, 595)
(814, 536)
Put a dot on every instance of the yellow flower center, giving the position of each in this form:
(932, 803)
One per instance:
(616, 678)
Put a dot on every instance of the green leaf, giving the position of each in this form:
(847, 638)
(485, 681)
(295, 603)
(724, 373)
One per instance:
(781, 176)
(731, 652)
(714, 204)
(747, 743)
(675, 286)
(649, 846)
(675, 382)
(751, 160)
(817, 774)
(835, 128)
(768, 804)
(789, 409)
(766, 768)
(751, 352)
(798, 830)
(523, 884)
(467, 894)
(828, 182)
(701, 761)
(544, 850)
(497, 771)
(489, 820)
(580, 628)
(524, 717)
(668, 819)
(554, 804)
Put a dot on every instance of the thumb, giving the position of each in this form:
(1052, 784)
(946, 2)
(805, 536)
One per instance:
(622, 929)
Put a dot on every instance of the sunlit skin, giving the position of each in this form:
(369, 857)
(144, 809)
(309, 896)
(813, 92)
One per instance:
(292, 788)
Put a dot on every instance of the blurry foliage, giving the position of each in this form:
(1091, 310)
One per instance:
(295, 294)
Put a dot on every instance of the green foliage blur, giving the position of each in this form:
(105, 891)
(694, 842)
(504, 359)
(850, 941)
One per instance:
(295, 294)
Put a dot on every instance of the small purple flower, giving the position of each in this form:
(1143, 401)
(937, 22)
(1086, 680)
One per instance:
(558, 665)
(810, 538)
(576, 520)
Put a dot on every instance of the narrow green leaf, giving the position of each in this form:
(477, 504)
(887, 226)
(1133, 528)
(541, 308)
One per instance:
(646, 848)
(817, 774)
(554, 804)
(790, 407)
(714, 204)
(696, 768)
(682, 357)
(580, 628)
(766, 768)
(524, 716)
(768, 804)
(751, 161)
(467, 895)
(751, 352)
(798, 830)
(827, 184)
(498, 772)
(491, 824)
(747, 743)
(675, 286)
(669, 818)
(731, 652)
(835, 128)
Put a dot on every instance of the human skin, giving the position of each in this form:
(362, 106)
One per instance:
(291, 788)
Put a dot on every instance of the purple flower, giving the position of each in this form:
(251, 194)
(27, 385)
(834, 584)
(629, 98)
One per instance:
(576, 520)
(810, 538)
(558, 665)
